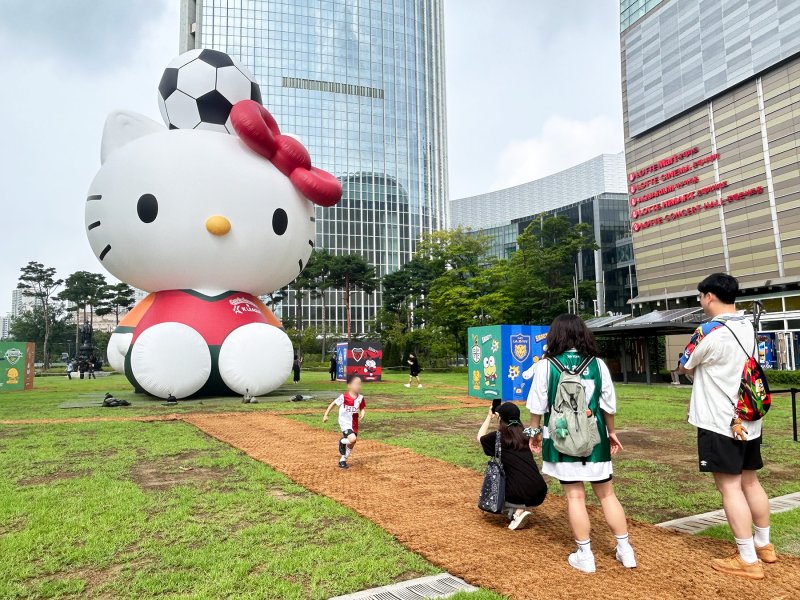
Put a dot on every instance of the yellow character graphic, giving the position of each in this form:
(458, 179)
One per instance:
(12, 376)
(476, 380)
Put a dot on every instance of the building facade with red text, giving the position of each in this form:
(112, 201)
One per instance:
(711, 101)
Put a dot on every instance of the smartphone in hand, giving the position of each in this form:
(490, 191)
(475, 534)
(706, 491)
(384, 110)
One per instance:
(496, 402)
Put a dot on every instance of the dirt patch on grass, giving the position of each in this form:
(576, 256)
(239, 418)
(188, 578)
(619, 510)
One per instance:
(429, 506)
(51, 478)
(170, 471)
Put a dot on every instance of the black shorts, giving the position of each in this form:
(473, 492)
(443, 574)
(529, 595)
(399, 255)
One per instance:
(719, 453)
(348, 432)
(606, 480)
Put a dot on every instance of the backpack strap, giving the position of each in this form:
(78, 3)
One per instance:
(497, 447)
(755, 341)
(579, 369)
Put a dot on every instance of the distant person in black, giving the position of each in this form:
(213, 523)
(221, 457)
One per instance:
(332, 369)
(90, 367)
(296, 368)
(413, 371)
(525, 486)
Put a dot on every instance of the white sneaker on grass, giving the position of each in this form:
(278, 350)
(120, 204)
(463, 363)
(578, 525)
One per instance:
(582, 561)
(627, 557)
(420, 386)
(408, 385)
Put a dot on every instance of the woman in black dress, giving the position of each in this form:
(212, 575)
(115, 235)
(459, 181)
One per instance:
(296, 368)
(332, 369)
(414, 369)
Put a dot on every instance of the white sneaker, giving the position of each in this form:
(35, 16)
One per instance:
(627, 557)
(408, 385)
(518, 522)
(582, 561)
(420, 386)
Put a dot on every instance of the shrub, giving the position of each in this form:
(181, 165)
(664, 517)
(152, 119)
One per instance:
(783, 379)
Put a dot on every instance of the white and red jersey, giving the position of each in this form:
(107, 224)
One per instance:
(349, 408)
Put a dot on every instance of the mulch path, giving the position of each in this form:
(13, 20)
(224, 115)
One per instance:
(429, 506)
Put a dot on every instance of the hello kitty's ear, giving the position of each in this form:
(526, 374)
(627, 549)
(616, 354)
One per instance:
(122, 127)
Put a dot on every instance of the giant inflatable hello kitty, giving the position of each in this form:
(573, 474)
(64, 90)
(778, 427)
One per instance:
(206, 222)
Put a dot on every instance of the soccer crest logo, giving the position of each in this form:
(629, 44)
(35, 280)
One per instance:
(520, 347)
(13, 355)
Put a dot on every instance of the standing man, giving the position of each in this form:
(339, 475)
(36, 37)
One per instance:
(729, 449)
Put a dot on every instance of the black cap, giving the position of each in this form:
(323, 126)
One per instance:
(509, 412)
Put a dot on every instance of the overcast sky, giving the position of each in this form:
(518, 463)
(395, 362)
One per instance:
(533, 87)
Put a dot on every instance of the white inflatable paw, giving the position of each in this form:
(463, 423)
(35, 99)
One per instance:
(255, 358)
(118, 345)
(170, 358)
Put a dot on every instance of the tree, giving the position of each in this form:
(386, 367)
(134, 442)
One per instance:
(116, 297)
(39, 282)
(405, 291)
(83, 289)
(351, 272)
(30, 327)
(541, 272)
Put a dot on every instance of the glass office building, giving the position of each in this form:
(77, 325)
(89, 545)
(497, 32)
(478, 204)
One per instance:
(592, 192)
(361, 82)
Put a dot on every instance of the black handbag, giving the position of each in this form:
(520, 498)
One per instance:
(493, 491)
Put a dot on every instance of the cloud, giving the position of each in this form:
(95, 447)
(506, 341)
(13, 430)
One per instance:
(561, 144)
(81, 34)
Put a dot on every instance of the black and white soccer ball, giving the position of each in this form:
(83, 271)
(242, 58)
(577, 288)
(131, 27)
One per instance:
(199, 88)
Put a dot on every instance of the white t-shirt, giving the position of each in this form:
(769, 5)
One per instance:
(349, 408)
(537, 404)
(718, 360)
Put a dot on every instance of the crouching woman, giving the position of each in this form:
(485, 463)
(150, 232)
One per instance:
(525, 487)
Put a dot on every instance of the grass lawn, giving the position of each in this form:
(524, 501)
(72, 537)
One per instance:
(139, 510)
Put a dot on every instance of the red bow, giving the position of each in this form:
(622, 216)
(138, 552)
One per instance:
(258, 129)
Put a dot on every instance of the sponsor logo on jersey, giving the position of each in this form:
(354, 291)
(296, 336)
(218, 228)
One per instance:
(243, 305)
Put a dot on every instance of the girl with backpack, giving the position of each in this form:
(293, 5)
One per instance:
(573, 390)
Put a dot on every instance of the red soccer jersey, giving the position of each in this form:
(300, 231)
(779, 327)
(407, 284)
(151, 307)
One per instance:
(213, 317)
(349, 408)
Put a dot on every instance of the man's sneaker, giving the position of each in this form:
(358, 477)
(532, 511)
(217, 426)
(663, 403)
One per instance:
(767, 554)
(343, 464)
(342, 447)
(420, 386)
(519, 520)
(583, 561)
(408, 385)
(736, 566)
(627, 557)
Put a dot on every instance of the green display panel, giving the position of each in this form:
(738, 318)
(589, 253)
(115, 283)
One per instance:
(16, 366)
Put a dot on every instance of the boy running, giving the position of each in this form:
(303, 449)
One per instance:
(352, 407)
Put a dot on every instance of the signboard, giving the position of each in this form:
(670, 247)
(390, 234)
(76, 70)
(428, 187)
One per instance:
(16, 366)
(501, 358)
(341, 361)
(364, 358)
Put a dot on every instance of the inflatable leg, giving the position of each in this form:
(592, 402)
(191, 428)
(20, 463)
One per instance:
(255, 358)
(170, 358)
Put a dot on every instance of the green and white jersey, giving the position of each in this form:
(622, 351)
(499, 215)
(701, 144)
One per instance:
(600, 393)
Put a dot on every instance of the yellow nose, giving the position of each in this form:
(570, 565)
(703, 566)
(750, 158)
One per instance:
(218, 225)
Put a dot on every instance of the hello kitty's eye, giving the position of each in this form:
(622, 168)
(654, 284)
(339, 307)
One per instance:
(147, 208)
(280, 221)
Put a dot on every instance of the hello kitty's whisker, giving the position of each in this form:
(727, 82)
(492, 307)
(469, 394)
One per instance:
(310, 243)
(93, 225)
(94, 197)
(300, 262)
(105, 251)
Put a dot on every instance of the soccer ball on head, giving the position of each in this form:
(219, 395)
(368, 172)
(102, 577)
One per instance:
(199, 88)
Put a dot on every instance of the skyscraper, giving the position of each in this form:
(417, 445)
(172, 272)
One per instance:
(361, 82)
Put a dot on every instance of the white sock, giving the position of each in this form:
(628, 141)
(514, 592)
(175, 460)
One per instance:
(347, 452)
(761, 537)
(747, 550)
(584, 547)
(623, 543)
